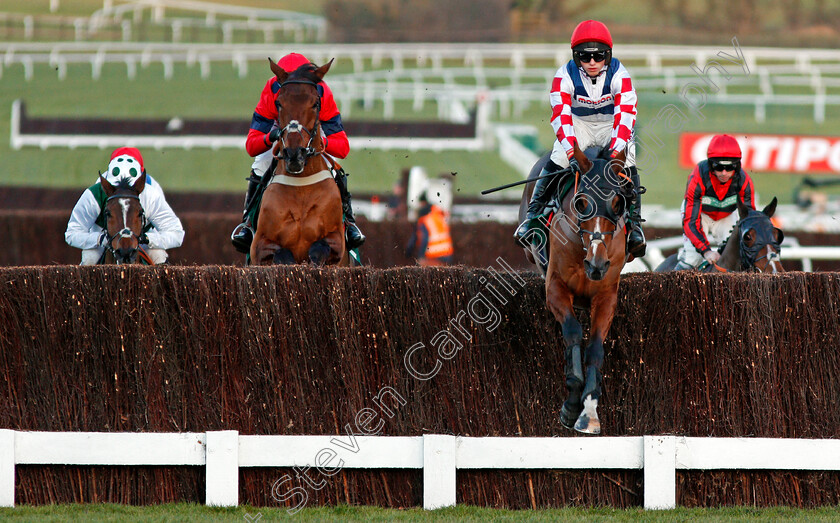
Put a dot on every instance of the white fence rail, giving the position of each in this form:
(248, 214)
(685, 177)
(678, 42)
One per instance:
(439, 456)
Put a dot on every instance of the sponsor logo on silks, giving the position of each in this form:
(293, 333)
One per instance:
(770, 153)
(589, 101)
(709, 201)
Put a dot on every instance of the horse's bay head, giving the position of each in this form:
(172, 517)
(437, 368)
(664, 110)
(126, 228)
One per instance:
(298, 113)
(598, 205)
(124, 216)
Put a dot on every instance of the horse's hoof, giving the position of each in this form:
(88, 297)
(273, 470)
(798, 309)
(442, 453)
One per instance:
(568, 417)
(588, 425)
(588, 421)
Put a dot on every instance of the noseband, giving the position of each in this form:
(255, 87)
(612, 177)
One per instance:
(295, 126)
(607, 214)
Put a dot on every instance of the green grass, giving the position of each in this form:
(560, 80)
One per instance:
(199, 513)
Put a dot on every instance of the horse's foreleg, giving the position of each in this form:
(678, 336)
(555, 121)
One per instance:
(559, 300)
(283, 256)
(319, 252)
(601, 312)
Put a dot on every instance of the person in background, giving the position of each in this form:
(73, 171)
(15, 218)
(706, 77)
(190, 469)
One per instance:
(396, 202)
(710, 204)
(431, 242)
(86, 228)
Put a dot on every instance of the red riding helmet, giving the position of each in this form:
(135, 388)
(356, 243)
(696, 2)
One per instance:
(591, 31)
(591, 35)
(723, 146)
(292, 61)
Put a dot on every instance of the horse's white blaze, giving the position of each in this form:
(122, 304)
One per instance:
(594, 244)
(774, 259)
(124, 205)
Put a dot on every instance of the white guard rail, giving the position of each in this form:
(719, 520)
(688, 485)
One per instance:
(222, 453)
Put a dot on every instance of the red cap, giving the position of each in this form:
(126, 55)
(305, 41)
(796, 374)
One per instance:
(591, 31)
(292, 61)
(130, 151)
(723, 146)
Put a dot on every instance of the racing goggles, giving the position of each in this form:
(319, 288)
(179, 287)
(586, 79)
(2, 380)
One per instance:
(725, 165)
(586, 56)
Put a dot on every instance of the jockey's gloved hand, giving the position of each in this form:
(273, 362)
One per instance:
(143, 240)
(574, 165)
(711, 256)
(103, 238)
(274, 135)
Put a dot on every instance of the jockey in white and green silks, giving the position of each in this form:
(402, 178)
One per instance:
(86, 228)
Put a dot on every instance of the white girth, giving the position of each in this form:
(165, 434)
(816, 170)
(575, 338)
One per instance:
(301, 180)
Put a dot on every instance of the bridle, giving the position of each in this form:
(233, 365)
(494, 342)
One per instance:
(125, 232)
(748, 255)
(597, 209)
(295, 126)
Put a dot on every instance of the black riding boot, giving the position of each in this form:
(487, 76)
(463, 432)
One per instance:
(243, 235)
(636, 244)
(353, 235)
(539, 198)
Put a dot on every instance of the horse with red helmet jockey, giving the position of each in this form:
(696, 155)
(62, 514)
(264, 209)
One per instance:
(715, 236)
(265, 135)
(581, 220)
(300, 212)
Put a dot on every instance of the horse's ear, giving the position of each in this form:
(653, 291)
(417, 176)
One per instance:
(278, 71)
(743, 210)
(140, 183)
(322, 71)
(106, 185)
(771, 208)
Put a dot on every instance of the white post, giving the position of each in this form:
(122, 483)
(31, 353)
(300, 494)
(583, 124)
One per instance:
(222, 488)
(660, 472)
(7, 468)
(439, 458)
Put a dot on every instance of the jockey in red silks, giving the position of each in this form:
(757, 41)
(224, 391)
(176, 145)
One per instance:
(86, 228)
(593, 104)
(708, 211)
(264, 132)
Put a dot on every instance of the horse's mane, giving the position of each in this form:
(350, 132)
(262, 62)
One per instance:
(305, 72)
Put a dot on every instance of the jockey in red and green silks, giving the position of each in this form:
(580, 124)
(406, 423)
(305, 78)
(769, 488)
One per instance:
(593, 104)
(264, 132)
(86, 228)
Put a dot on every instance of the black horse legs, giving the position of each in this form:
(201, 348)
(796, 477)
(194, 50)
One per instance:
(594, 361)
(572, 336)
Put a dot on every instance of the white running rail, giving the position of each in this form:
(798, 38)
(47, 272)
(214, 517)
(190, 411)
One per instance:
(222, 453)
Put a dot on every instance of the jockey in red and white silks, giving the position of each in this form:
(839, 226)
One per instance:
(599, 111)
(86, 226)
(593, 103)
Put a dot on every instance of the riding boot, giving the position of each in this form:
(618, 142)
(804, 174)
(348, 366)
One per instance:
(636, 244)
(539, 198)
(353, 235)
(243, 234)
